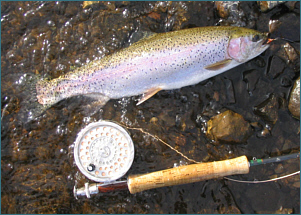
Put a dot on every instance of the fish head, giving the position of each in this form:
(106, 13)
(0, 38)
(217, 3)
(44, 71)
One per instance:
(245, 44)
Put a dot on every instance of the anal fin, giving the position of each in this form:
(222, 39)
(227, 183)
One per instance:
(88, 107)
(218, 65)
(149, 93)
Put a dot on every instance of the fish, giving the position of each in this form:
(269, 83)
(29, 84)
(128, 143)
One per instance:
(160, 61)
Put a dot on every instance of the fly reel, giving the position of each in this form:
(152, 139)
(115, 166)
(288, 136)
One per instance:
(103, 151)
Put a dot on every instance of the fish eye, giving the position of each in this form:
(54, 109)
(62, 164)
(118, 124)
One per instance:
(255, 38)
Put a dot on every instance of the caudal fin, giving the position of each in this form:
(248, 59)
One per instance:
(25, 88)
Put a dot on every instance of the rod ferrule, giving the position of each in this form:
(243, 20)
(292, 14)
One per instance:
(87, 190)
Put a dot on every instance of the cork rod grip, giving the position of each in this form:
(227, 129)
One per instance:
(188, 174)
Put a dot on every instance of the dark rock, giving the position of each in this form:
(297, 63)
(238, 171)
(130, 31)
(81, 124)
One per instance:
(286, 81)
(228, 127)
(230, 95)
(294, 101)
(251, 77)
(268, 109)
(275, 67)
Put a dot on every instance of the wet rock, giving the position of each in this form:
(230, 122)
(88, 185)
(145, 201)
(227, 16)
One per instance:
(292, 5)
(233, 210)
(291, 166)
(87, 3)
(72, 9)
(154, 120)
(286, 81)
(268, 5)
(294, 101)
(49, 41)
(10, 204)
(289, 54)
(276, 67)
(167, 119)
(279, 169)
(231, 13)
(285, 25)
(228, 127)
(230, 95)
(251, 77)
(265, 132)
(284, 211)
(43, 153)
(279, 211)
(268, 109)
(256, 125)
(260, 202)
(36, 187)
(178, 139)
(224, 7)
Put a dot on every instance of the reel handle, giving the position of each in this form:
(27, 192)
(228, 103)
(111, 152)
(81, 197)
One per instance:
(188, 174)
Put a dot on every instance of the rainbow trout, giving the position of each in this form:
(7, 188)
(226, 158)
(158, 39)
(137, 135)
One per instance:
(162, 61)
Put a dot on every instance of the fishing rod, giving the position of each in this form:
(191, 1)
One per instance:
(179, 175)
(104, 152)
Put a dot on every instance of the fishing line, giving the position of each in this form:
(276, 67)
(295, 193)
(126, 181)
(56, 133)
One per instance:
(281, 38)
(160, 140)
(253, 162)
(264, 181)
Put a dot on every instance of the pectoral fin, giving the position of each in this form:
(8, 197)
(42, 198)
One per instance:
(149, 93)
(218, 65)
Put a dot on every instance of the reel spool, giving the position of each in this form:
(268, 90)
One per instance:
(103, 151)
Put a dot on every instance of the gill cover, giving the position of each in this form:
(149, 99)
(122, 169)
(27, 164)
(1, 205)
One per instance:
(247, 46)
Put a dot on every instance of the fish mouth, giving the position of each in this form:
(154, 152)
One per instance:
(267, 40)
(264, 44)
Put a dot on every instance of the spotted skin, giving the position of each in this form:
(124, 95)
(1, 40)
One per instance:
(163, 61)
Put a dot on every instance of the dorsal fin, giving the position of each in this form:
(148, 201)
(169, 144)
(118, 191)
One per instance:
(139, 36)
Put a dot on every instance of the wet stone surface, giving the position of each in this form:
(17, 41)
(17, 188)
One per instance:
(228, 127)
(294, 101)
(38, 172)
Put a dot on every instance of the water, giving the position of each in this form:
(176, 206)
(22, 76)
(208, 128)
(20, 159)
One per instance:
(50, 38)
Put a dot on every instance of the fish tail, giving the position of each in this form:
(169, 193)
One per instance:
(30, 108)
